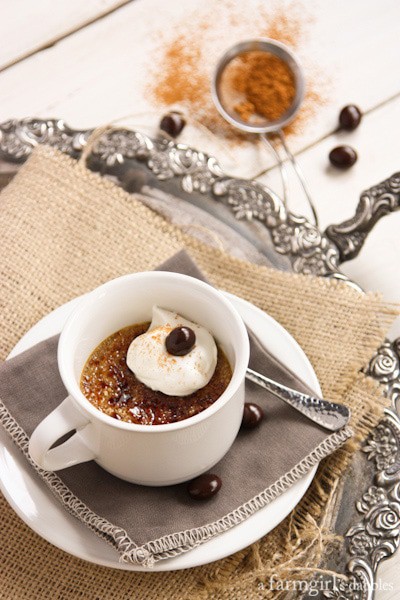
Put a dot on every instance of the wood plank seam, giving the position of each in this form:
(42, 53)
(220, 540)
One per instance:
(53, 41)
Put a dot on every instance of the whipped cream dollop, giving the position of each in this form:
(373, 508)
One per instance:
(152, 364)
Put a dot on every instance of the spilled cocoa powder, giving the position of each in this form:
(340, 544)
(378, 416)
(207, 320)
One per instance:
(180, 75)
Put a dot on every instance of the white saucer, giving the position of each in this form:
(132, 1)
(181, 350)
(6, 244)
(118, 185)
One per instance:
(34, 503)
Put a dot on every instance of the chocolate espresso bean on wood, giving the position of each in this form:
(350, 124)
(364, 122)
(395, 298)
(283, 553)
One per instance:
(343, 157)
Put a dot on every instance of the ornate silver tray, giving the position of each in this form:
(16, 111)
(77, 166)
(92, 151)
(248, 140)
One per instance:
(368, 515)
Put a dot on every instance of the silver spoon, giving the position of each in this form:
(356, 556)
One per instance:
(260, 124)
(330, 415)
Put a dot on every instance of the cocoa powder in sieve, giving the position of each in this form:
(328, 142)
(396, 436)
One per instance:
(264, 81)
(180, 75)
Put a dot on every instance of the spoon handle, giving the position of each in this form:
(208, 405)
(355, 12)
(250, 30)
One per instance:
(330, 415)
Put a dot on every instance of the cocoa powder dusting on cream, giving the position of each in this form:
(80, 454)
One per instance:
(181, 73)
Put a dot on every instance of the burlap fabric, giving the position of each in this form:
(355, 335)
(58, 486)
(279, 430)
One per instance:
(66, 230)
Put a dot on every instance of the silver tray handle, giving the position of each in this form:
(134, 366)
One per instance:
(374, 204)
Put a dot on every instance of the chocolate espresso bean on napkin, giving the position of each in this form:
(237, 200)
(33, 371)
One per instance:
(147, 524)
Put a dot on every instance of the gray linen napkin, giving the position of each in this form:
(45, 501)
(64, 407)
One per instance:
(147, 524)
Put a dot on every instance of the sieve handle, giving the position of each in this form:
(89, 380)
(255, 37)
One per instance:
(299, 174)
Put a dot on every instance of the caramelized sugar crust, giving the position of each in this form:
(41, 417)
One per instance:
(112, 388)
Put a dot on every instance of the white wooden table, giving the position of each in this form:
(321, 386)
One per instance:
(88, 63)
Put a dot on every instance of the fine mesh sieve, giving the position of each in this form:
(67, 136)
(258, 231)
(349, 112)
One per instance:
(268, 130)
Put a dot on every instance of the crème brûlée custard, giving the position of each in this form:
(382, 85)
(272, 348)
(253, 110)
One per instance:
(156, 373)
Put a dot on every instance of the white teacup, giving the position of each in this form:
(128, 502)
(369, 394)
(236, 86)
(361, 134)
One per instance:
(145, 454)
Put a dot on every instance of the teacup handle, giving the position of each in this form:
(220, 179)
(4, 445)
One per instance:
(65, 418)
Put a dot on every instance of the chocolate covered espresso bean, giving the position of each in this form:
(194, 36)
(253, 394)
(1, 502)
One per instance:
(350, 117)
(172, 123)
(180, 341)
(252, 415)
(204, 487)
(343, 157)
